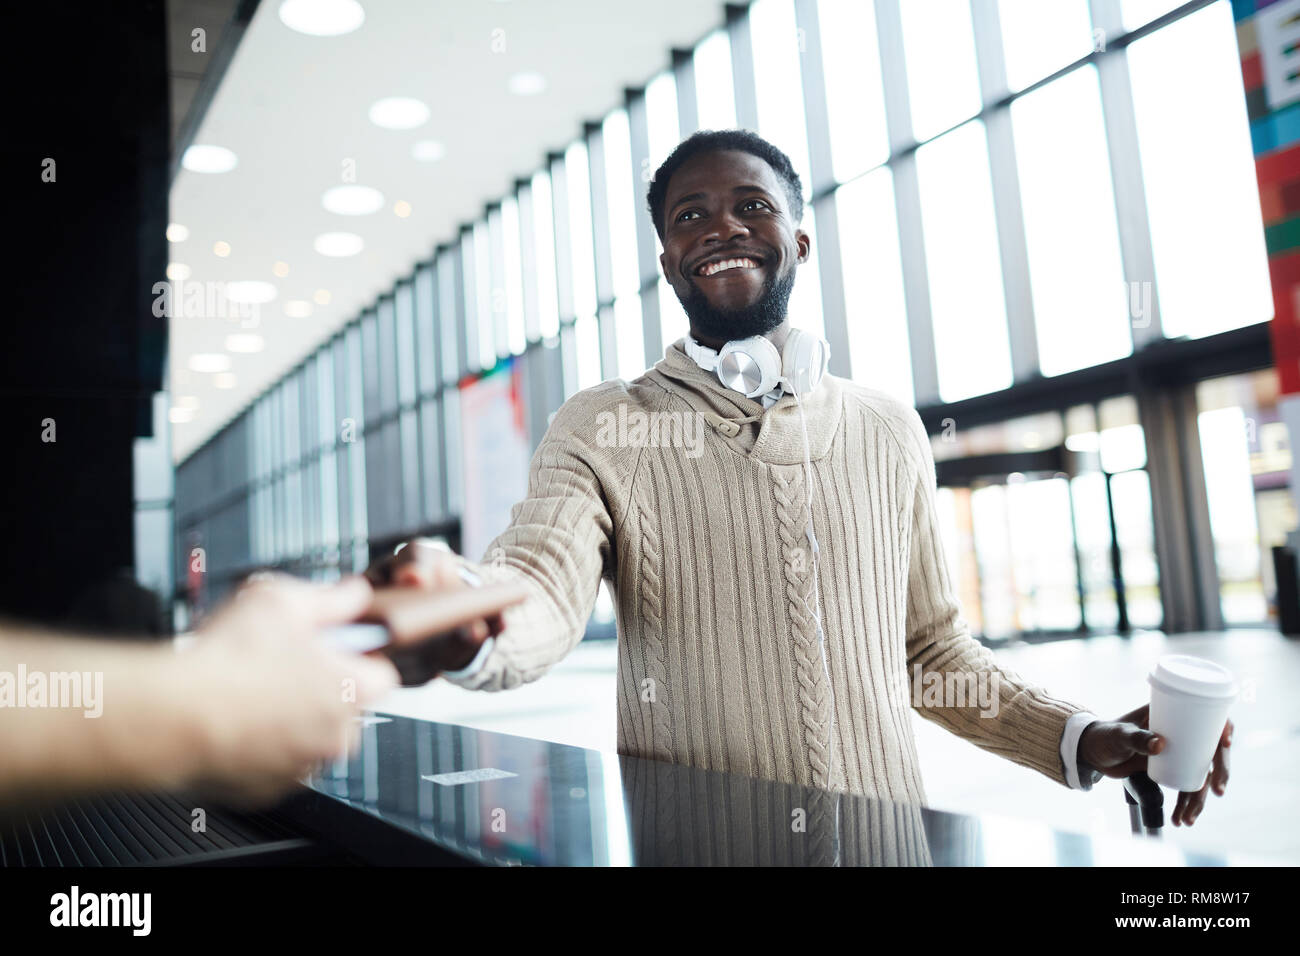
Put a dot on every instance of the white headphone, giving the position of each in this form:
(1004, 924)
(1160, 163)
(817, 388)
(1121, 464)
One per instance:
(753, 366)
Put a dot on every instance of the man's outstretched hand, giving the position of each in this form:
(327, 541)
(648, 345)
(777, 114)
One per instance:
(1119, 748)
(420, 565)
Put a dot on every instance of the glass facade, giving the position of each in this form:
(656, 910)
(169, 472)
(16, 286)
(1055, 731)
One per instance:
(962, 156)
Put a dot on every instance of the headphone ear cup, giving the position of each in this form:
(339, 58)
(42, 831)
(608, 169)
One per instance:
(804, 360)
(750, 366)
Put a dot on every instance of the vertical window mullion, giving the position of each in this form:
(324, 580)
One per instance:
(742, 66)
(817, 119)
(907, 199)
(1013, 251)
(1126, 173)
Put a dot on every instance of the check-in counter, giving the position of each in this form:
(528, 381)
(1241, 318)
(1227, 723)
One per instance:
(418, 792)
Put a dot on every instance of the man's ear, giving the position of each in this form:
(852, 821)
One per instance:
(663, 266)
(804, 242)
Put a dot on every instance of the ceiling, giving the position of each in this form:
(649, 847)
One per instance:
(294, 109)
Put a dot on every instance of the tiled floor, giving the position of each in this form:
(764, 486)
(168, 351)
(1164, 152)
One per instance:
(574, 704)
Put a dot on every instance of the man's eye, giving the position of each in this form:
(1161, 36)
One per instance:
(749, 202)
(689, 212)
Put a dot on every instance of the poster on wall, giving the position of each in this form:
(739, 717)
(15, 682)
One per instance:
(1267, 37)
(495, 454)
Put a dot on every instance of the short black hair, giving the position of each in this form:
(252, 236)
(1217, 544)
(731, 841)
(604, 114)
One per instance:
(715, 140)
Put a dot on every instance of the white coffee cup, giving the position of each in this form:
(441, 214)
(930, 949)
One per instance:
(1190, 698)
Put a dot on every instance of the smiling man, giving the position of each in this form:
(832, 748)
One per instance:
(783, 598)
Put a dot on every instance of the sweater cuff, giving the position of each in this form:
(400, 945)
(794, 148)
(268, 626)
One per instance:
(474, 666)
(1074, 728)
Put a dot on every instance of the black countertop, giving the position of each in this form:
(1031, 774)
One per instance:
(423, 792)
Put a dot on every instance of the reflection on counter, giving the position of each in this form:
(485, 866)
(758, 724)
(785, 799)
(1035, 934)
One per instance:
(503, 800)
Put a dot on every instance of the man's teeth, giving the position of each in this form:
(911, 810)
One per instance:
(715, 267)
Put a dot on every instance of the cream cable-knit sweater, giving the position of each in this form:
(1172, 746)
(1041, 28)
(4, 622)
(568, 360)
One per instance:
(701, 533)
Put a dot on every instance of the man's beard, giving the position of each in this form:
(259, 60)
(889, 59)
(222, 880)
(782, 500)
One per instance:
(765, 314)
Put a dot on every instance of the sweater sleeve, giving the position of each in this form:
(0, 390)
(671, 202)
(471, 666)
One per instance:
(955, 681)
(558, 544)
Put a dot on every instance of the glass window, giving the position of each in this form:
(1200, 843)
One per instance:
(1122, 442)
(482, 290)
(404, 306)
(292, 407)
(449, 320)
(965, 269)
(663, 122)
(588, 341)
(327, 432)
(308, 406)
(1040, 38)
(715, 87)
(548, 318)
(369, 386)
(1075, 269)
(514, 288)
(1247, 462)
(425, 309)
(779, 83)
(387, 356)
(578, 182)
(431, 460)
(673, 323)
(1137, 13)
(344, 410)
(498, 296)
(854, 92)
(451, 448)
(1092, 535)
(1199, 172)
(356, 456)
(942, 79)
(329, 504)
(806, 296)
(873, 285)
(620, 204)
(631, 340)
(469, 318)
(409, 437)
(1135, 532)
(953, 510)
(1043, 544)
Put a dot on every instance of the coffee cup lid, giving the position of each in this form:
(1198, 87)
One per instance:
(1194, 675)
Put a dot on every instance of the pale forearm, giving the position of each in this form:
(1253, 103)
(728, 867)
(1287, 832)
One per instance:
(129, 718)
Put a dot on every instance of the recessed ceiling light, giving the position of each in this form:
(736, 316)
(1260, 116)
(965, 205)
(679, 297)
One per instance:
(209, 362)
(187, 401)
(297, 308)
(338, 244)
(209, 159)
(251, 291)
(281, 269)
(178, 271)
(224, 380)
(177, 233)
(322, 18)
(322, 297)
(399, 112)
(179, 416)
(428, 151)
(244, 342)
(527, 83)
(402, 208)
(221, 248)
(352, 200)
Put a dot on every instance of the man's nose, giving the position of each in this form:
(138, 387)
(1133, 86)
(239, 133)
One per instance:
(725, 227)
